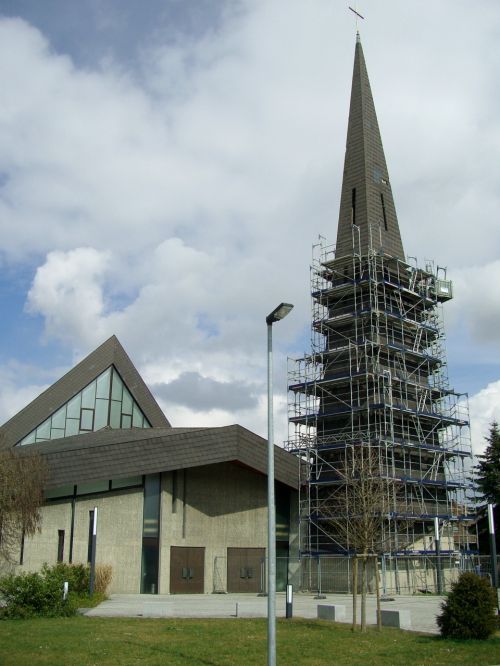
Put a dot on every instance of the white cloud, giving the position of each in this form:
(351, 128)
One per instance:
(67, 291)
(484, 409)
(476, 305)
(175, 205)
(19, 385)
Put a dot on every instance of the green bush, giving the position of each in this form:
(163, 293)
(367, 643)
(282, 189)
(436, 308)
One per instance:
(469, 611)
(30, 594)
(77, 576)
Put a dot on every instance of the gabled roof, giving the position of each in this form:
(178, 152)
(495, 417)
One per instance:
(109, 353)
(366, 197)
(108, 453)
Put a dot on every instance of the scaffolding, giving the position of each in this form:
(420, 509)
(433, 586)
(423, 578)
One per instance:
(376, 377)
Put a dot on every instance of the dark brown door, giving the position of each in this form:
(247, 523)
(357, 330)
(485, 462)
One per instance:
(187, 570)
(245, 569)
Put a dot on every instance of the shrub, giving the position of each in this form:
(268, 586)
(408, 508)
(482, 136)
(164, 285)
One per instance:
(30, 594)
(77, 576)
(469, 610)
(103, 576)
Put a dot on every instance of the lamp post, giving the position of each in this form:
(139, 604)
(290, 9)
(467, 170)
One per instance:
(278, 313)
(493, 549)
(437, 541)
(92, 551)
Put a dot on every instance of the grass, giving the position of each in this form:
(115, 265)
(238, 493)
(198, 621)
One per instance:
(81, 641)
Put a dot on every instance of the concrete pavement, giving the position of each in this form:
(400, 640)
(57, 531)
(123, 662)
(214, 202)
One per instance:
(423, 609)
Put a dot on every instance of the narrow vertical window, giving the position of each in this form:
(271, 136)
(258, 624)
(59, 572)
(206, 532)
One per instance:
(60, 545)
(383, 210)
(353, 205)
(21, 554)
(151, 534)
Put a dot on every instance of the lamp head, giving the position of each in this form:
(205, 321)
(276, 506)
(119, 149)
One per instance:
(279, 313)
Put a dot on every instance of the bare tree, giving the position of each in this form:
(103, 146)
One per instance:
(358, 514)
(22, 477)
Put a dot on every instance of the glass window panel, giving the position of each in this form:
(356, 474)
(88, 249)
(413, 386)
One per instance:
(127, 402)
(150, 527)
(43, 430)
(103, 383)
(137, 418)
(59, 418)
(74, 405)
(91, 410)
(88, 396)
(87, 419)
(117, 386)
(101, 414)
(126, 482)
(151, 505)
(115, 418)
(29, 439)
(92, 487)
(72, 427)
(126, 421)
(61, 491)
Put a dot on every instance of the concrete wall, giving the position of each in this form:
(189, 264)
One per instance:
(119, 532)
(219, 506)
(215, 507)
(119, 536)
(42, 547)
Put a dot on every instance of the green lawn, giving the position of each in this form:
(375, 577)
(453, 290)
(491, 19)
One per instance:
(86, 641)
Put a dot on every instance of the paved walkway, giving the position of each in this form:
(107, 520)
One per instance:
(423, 610)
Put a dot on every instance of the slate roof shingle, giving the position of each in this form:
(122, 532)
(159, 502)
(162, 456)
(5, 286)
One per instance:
(108, 453)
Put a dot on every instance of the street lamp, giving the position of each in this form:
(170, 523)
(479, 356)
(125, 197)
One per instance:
(278, 313)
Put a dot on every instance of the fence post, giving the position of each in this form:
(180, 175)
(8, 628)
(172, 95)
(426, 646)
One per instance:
(318, 572)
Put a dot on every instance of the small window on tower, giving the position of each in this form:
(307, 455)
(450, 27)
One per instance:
(353, 205)
(383, 211)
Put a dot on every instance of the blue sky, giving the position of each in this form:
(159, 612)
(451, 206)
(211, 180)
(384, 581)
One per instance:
(166, 166)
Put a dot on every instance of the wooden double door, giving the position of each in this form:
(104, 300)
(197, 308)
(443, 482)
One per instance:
(245, 569)
(187, 570)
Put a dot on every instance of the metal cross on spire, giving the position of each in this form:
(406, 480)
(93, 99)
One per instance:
(358, 16)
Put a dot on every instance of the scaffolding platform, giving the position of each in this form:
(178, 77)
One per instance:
(376, 378)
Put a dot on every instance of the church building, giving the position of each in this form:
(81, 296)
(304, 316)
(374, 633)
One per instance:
(179, 510)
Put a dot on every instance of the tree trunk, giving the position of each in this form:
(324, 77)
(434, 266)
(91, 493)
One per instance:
(354, 592)
(377, 589)
(363, 593)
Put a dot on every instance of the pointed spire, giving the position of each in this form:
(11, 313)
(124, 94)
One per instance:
(366, 198)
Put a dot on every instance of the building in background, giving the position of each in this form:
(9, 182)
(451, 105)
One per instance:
(376, 379)
(179, 509)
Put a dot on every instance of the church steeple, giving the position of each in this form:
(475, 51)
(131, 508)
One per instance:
(366, 199)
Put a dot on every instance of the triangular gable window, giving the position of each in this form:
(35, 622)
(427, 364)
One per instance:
(104, 402)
